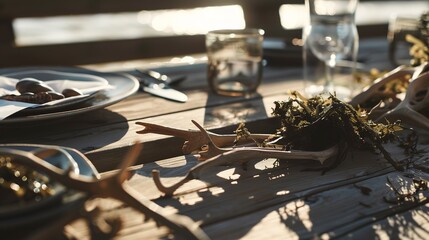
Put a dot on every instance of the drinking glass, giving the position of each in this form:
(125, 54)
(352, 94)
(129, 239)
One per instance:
(234, 61)
(399, 28)
(331, 38)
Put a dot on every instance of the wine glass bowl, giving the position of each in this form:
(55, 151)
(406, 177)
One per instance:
(332, 37)
(328, 41)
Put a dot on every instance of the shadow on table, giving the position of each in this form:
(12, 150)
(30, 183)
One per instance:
(85, 132)
(255, 202)
(222, 207)
(224, 111)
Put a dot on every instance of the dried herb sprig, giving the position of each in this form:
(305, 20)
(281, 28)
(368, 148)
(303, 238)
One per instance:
(242, 133)
(317, 123)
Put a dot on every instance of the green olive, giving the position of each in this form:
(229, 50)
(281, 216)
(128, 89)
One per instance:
(32, 85)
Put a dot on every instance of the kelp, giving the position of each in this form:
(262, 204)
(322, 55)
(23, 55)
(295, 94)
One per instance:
(317, 123)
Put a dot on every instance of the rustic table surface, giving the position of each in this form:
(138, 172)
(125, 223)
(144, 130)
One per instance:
(230, 202)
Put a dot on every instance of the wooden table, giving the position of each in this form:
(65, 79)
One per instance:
(268, 202)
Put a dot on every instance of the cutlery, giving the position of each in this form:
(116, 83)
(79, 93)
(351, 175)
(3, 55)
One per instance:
(158, 84)
(162, 77)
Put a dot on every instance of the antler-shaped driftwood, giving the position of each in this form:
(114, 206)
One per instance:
(239, 155)
(378, 88)
(111, 185)
(197, 140)
(416, 100)
(416, 97)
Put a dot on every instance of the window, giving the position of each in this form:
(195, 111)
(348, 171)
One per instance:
(64, 29)
(294, 16)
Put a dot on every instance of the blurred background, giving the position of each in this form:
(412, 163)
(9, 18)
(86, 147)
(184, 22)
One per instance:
(91, 31)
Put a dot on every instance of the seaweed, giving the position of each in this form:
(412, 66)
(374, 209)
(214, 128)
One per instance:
(317, 123)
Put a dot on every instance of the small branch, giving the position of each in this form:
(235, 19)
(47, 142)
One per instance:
(169, 190)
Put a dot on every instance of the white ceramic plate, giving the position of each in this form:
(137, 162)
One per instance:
(122, 86)
(88, 84)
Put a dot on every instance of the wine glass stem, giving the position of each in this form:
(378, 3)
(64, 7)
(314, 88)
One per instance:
(329, 71)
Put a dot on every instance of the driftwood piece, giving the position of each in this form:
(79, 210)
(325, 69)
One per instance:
(378, 88)
(239, 156)
(196, 140)
(111, 185)
(416, 100)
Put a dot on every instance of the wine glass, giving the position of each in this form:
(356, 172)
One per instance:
(332, 37)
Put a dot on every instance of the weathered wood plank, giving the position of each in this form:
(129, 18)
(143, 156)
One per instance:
(285, 200)
(411, 224)
(320, 215)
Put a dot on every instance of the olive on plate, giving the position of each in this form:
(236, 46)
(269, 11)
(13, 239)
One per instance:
(32, 85)
(71, 92)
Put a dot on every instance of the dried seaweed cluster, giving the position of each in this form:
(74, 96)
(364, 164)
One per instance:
(318, 123)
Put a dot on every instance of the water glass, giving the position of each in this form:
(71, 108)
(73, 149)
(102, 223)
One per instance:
(234, 61)
(399, 28)
(330, 47)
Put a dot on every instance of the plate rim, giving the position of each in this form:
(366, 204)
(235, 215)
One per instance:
(51, 71)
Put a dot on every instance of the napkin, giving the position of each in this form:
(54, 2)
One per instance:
(7, 86)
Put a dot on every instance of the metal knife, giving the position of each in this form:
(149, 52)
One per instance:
(159, 88)
(162, 77)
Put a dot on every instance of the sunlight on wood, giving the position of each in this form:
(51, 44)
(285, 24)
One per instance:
(168, 164)
(268, 163)
(197, 197)
(283, 192)
(228, 174)
(412, 225)
(216, 191)
(300, 210)
(291, 213)
(190, 199)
